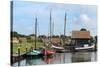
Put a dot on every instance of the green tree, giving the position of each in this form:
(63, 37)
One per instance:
(29, 39)
(83, 29)
(14, 34)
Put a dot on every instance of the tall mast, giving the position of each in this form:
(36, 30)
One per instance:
(11, 18)
(53, 28)
(64, 35)
(64, 28)
(35, 31)
(50, 26)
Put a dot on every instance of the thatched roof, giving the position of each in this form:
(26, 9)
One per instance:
(80, 35)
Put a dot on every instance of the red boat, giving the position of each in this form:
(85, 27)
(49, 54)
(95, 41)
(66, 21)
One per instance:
(48, 52)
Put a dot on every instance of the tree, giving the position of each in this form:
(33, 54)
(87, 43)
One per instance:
(62, 36)
(32, 35)
(42, 36)
(14, 34)
(29, 39)
(55, 36)
(83, 29)
(92, 40)
(96, 42)
(96, 39)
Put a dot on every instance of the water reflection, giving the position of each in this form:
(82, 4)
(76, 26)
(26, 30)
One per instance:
(59, 58)
(84, 57)
(33, 61)
(48, 60)
(81, 57)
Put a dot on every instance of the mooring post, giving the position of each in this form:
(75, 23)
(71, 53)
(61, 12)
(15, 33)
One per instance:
(26, 49)
(18, 51)
(18, 56)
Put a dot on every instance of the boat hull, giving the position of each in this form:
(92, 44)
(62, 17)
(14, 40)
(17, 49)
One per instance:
(34, 53)
(87, 49)
(48, 52)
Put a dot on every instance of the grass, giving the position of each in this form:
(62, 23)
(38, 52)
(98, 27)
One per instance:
(24, 45)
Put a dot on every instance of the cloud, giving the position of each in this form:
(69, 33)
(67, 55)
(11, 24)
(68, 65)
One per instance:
(85, 19)
(89, 23)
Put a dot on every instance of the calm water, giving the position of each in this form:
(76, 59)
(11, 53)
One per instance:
(60, 58)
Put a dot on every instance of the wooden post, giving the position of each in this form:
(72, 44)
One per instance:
(18, 56)
(19, 51)
(26, 49)
(26, 52)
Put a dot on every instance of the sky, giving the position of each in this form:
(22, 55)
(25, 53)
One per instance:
(78, 16)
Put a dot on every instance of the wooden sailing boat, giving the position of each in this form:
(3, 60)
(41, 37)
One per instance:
(47, 51)
(85, 48)
(34, 52)
(59, 48)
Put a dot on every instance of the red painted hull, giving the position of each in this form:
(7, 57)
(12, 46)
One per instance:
(48, 52)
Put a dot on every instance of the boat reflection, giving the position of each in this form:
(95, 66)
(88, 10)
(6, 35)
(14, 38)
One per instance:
(81, 57)
(48, 59)
(33, 60)
(42, 60)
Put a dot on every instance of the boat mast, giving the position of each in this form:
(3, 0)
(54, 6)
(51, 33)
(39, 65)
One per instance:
(35, 31)
(53, 28)
(64, 28)
(50, 26)
(64, 35)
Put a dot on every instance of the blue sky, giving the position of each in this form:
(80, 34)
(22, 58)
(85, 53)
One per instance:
(78, 16)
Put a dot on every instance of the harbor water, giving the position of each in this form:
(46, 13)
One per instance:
(59, 58)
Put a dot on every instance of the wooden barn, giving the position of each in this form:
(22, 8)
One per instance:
(80, 38)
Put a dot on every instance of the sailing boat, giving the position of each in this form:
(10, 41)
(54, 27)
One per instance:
(34, 52)
(47, 51)
(59, 48)
(85, 48)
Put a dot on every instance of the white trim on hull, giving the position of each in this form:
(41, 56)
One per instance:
(56, 47)
(85, 48)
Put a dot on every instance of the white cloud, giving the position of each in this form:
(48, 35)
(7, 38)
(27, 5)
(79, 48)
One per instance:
(89, 23)
(85, 19)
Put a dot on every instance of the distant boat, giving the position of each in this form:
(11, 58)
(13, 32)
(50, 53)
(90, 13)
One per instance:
(56, 47)
(85, 48)
(47, 51)
(34, 52)
(59, 48)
